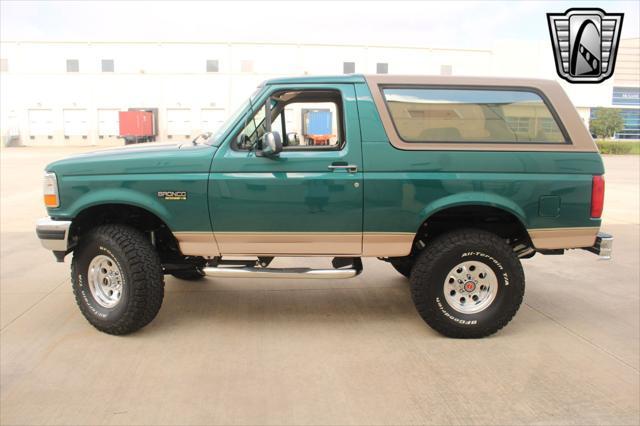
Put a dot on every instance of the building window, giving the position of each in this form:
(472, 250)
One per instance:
(246, 66)
(382, 68)
(446, 70)
(548, 125)
(631, 118)
(626, 96)
(4, 65)
(521, 124)
(73, 65)
(212, 65)
(107, 65)
(348, 67)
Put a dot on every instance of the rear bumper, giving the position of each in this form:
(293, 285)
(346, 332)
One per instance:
(53, 234)
(603, 246)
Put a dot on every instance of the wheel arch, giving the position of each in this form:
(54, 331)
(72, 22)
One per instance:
(490, 212)
(473, 199)
(120, 196)
(130, 214)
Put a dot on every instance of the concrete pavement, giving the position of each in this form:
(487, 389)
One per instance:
(316, 352)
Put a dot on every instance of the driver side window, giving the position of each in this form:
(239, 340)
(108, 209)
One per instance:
(306, 120)
(309, 126)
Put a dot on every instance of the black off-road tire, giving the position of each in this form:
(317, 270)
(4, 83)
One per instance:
(194, 274)
(403, 265)
(446, 252)
(142, 279)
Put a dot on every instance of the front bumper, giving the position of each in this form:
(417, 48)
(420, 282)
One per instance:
(53, 234)
(603, 246)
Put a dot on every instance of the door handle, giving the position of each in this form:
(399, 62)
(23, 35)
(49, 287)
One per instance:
(351, 168)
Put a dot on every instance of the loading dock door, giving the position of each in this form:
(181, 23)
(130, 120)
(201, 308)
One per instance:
(178, 122)
(40, 122)
(75, 122)
(108, 124)
(211, 119)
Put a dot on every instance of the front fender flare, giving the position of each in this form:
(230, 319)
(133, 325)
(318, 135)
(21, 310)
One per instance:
(118, 196)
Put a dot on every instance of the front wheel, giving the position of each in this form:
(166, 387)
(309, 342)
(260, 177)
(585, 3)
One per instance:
(117, 279)
(467, 284)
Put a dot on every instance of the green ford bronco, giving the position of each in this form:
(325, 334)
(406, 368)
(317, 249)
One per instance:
(452, 180)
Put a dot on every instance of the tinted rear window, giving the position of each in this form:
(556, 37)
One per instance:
(471, 115)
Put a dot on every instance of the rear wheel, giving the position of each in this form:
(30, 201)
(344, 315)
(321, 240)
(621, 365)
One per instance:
(117, 279)
(467, 284)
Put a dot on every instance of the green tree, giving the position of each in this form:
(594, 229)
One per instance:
(606, 123)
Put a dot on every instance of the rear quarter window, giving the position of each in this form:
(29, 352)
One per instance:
(427, 114)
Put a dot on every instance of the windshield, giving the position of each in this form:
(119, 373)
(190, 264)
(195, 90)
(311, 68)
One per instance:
(232, 119)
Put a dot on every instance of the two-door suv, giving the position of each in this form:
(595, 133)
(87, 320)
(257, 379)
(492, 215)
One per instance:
(452, 180)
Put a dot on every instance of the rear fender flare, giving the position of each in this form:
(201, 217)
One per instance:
(472, 199)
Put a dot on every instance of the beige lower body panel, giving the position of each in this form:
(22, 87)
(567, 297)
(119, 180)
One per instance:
(197, 244)
(289, 243)
(386, 244)
(563, 238)
(370, 244)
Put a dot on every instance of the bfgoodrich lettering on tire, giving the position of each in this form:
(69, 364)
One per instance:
(467, 283)
(117, 279)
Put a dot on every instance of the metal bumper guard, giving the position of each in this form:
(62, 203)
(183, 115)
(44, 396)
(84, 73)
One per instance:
(603, 246)
(53, 234)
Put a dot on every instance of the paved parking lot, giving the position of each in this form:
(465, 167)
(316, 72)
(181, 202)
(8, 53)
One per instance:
(334, 352)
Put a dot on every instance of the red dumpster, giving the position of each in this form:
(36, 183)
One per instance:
(136, 126)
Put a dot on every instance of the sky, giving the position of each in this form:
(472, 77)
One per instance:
(450, 24)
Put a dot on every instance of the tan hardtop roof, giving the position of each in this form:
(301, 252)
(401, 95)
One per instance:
(459, 80)
(411, 79)
(559, 102)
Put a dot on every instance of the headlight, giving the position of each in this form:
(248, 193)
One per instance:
(51, 198)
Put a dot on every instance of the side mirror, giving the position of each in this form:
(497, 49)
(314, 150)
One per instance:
(271, 144)
(293, 139)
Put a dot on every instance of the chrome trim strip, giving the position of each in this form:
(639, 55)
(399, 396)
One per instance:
(46, 225)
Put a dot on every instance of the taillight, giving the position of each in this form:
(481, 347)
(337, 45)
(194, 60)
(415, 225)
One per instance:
(51, 190)
(597, 196)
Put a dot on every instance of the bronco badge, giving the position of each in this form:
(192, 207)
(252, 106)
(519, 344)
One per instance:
(173, 195)
(585, 43)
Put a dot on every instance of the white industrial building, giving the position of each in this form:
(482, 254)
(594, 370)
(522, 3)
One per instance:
(69, 93)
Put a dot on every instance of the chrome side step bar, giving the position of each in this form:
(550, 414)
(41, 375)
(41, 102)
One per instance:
(251, 272)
